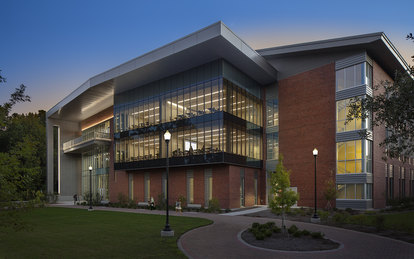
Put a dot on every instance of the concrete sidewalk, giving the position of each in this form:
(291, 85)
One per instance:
(221, 239)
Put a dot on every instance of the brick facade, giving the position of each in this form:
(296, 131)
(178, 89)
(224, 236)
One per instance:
(379, 165)
(226, 184)
(307, 120)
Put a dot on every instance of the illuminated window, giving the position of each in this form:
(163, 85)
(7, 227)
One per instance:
(342, 109)
(190, 186)
(354, 156)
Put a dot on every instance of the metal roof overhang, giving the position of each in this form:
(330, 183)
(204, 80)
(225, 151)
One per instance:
(377, 45)
(208, 44)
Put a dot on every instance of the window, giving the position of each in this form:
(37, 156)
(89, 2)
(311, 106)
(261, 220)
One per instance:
(352, 191)
(188, 144)
(391, 182)
(402, 182)
(272, 112)
(272, 145)
(255, 187)
(354, 156)
(56, 165)
(412, 182)
(342, 109)
(131, 186)
(242, 190)
(353, 76)
(208, 186)
(190, 187)
(147, 190)
(164, 184)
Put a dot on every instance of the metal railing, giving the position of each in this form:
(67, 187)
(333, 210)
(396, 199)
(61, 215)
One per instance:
(84, 138)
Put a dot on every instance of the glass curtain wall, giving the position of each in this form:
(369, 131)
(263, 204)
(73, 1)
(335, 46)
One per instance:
(197, 115)
(98, 158)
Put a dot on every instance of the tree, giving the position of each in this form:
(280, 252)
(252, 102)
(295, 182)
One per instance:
(330, 192)
(22, 160)
(282, 197)
(392, 106)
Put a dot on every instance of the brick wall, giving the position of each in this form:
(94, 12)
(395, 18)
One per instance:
(226, 184)
(378, 184)
(379, 189)
(307, 120)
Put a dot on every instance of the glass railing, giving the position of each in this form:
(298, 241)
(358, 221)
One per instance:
(84, 138)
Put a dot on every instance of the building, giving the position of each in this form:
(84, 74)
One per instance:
(231, 110)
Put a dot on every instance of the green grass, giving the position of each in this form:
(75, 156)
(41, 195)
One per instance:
(77, 233)
(403, 221)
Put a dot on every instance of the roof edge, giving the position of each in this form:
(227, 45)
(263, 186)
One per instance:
(310, 43)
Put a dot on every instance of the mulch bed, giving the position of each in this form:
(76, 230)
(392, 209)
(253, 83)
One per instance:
(279, 241)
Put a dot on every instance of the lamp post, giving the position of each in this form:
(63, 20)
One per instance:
(315, 217)
(90, 189)
(167, 232)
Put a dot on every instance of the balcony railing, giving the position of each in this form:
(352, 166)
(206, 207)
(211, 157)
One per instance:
(85, 138)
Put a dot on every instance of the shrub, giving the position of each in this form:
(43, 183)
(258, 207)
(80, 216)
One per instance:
(292, 229)
(360, 219)
(97, 199)
(340, 217)
(213, 205)
(122, 199)
(270, 224)
(259, 236)
(132, 204)
(323, 215)
(298, 234)
(302, 211)
(349, 210)
(268, 232)
(276, 229)
(52, 197)
(305, 232)
(380, 222)
(160, 202)
(255, 225)
(316, 235)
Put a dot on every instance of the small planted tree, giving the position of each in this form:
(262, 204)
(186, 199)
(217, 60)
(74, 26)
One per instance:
(282, 197)
(330, 193)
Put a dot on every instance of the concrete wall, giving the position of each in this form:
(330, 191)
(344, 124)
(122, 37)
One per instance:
(69, 165)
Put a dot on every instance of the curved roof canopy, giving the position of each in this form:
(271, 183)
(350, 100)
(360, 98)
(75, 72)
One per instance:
(208, 44)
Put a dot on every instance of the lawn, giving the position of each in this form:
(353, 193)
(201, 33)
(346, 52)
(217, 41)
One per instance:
(77, 233)
(403, 221)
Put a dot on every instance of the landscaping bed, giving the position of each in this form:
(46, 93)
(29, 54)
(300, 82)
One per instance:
(271, 237)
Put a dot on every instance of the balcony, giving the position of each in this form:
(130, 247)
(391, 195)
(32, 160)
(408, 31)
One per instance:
(86, 142)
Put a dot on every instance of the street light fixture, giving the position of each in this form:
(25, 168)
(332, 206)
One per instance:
(167, 231)
(90, 189)
(315, 217)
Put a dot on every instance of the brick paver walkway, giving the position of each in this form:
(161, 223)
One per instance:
(221, 240)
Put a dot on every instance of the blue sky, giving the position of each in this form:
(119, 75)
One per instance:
(55, 46)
